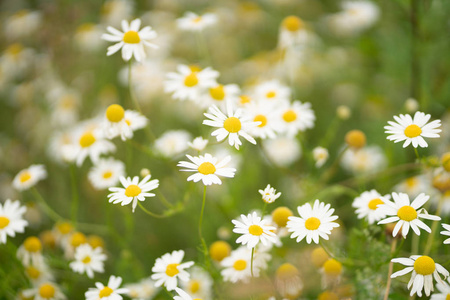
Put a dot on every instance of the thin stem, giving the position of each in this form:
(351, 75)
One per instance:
(251, 261)
(264, 209)
(48, 210)
(417, 153)
(150, 213)
(164, 200)
(434, 227)
(391, 267)
(75, 198)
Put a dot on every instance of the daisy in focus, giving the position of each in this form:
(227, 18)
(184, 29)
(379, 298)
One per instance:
(314, 222)
(232, 125)
(413, 130)
(254, 230)
(269, 194)
(27, 178)
(107, 292)
(11, 219)
(446, 232)
(133, 190)
(208, 168)
(169, 268)
(131, 40)
(106, 173)
(406, 214)
(88, 260)
(423, 270)
(193, 22)
(367, 206)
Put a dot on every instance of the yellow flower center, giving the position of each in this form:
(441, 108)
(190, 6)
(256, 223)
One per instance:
(262, 119)
(105, 292)
(4, 221)
(240, 265)
(87, 139)
(115, 113)
(86, 27)
(255, 230)
(355, 138)
(217, 93)
(172, 270)
(132, 190)
(292, 23)
(207, 168)
(107, 174)
(191, 80)
(219, 250)
(407, 213)
(194, 286)
(197, 20)
(14, 49)
(32, 272)
(312, 223)
(280, 215)
(244, 99)
(373, 204)
(411, 182)
(319, 257)
(448, 297)
(86, 260)
(131, 37)
(289, 116)
(424, 265)
(332, 267)
(64, 227)
(47, 291)
(328, 296)
(96, 241)
(77, 239)
(32, 244)
(195, 68)
(271, 94)
(25, 176)
(412, 131)
(232, 124)
(287, 271)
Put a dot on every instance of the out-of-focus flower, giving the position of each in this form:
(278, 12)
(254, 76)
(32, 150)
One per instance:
(106, 173)
(172, 143)
(320, 155)
(45, 291)
(23, 23)
(294, 117)
(288, 282)
(198, 144)
(282, 151)
(193, 22)
(11, 219)
(30, 252)
(27, 178)
(199, 285)
(88, 37)
(369, 159)
(237, 266)
(88, 260)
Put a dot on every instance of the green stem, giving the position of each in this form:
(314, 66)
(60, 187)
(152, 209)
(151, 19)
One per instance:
(391, 267)
(75, 198)
(151, 213)
(47, 209)
(205, 248)
(264, 209)
(251, 261)
(417, 153)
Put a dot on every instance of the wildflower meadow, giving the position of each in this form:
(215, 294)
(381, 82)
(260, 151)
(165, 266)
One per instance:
(224, 149)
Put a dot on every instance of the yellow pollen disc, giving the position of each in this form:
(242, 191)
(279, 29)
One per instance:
(131, 37)
(413, 131)
(262, 119)
(172, 270)
(244, 99)
(328, 296)
(64, 227)
(219, 250)
(77, 239)
(287, 271)
(32, 272)
(232, 124)
(319, 257)
(255, 230)
(407, 213)
(280, 216)
(96, 241)
(47, 291)
(32, 244)
(207, 168)
(240, 265)
(312, 223)
(292, 23)
(107, 175)
(197, 20)
(217, 93)
(67, 102)
(115, 113)
(424, 265)
(271, 94)
(14, 49)
(25, 176)
(289, 116)
(411, 182)
(332, 267)
(448, 297)
(373, 204)
(132, 190)
(86, 27)
(105, 292)
(355, 138)
(191, 80)
(194, 286)
(86, 260)
(87, 139)
(4, 221)
(195, 68)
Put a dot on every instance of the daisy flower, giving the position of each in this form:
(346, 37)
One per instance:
(107, 292)
(106, 173)
(133, 190)
(272, 91)
(189, 82)
(265, 113)
(254, 230)
(314, 222)
(288, 281)
(88, 260)
(231, 126)
(293, 32)
(169, 268)
(172, 143)
(90, 142)
(208, 168)
(369, 160)
(182, 295)
(414, 185)
(407, 214)
(11, 219)
(295, 117)
(220, 95)
(320, 155)
(131, 40)
(446, 232)
(193, 22)
(413, 130)
(135, 120)
(143, 290)
(269, 194)
(423, 270)
(282, 151)
(367, 206)
(115, 123)
(199, 285)
(198, 144)
(30, 252)
(237, 265)
(27, 178)
(444, 290)
(39, 273)
(45, 291)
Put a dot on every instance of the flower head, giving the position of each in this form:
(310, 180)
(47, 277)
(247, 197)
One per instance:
(269, 194)
(88, 259)
(367, 206)
(11, 219)
(254, 230)
(27, 178)
(169, 268)
(193, 22)
(106, 173)
(111, 291)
